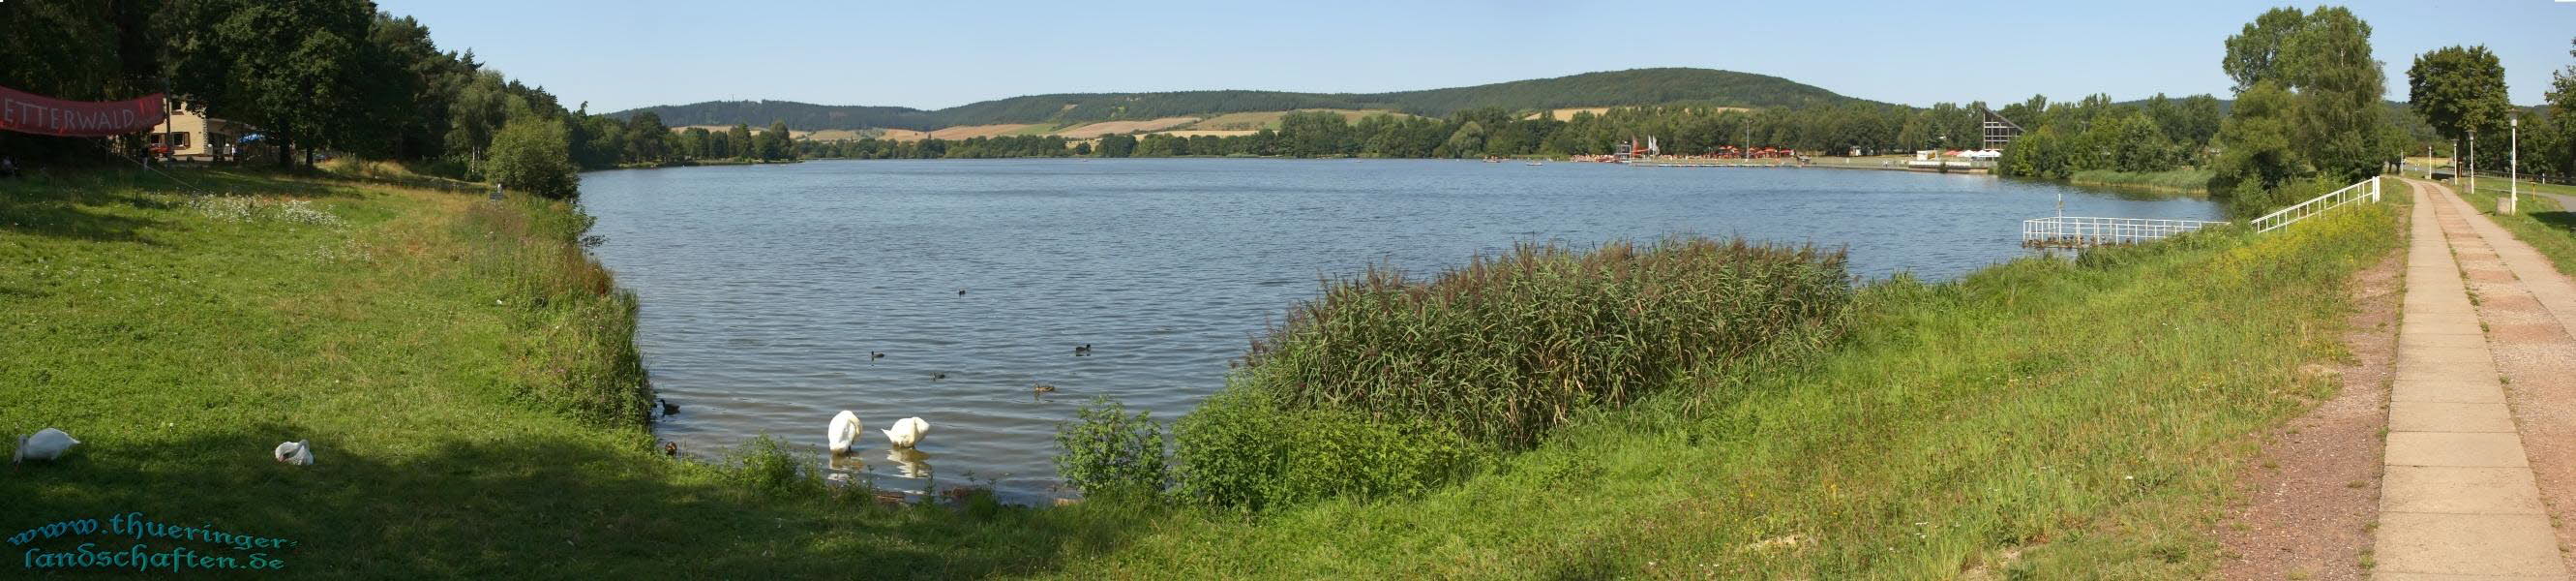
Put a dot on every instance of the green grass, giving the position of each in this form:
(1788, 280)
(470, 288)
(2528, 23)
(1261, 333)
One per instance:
(2038, 418)
(453, 366)
(2087, 418)
(2543, 223)
(2191, 181)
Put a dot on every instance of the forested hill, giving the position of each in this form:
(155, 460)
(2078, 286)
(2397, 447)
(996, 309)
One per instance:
(1602, 89)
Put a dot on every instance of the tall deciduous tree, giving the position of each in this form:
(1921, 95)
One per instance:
(647, 138)
(2562, 118)
(780, 143)
(2336, 115)
(292, 67)
(2258, 157)
(532, 155)
(2254, 54)
(2343, 125)
(2458, 89)
(738, 140)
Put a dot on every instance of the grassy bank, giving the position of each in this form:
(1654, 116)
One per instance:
(2182, 181)
(464, 373)
(2543, 223)
(2041, 418)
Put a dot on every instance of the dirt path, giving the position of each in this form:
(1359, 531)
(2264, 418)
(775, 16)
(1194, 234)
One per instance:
(2307, 510)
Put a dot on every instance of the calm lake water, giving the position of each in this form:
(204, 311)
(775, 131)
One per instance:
(765, 288)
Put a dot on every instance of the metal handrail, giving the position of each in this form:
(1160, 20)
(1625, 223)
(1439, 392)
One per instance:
(2317, 205)
(2079, 231)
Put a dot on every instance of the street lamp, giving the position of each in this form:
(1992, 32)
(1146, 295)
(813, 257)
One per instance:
(2513, 161)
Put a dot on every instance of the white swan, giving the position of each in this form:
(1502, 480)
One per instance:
(845, 431)
(45, 444)
(298, 452)
(907, 432)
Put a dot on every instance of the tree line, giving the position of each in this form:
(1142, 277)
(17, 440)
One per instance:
(1681, 129)
(2460, 91)
(1609, 88)
(2308, 111)
(335, 75)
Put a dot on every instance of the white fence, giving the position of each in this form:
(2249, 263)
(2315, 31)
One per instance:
(2078, 232)
(2081, 232)
(2362, 190)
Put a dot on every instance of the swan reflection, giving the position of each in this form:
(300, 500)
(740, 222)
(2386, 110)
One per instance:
(913, 463)
(847, 462)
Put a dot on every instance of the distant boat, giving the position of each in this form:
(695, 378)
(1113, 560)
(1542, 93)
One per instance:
(1536, 163)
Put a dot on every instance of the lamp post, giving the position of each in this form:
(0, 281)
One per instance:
(2513, 161)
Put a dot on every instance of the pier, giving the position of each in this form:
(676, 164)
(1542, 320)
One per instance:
(2087, 232)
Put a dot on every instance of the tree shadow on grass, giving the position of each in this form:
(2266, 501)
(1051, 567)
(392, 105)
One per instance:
(100, 205)
(2559, 220)
(528, 507)
(64, 219)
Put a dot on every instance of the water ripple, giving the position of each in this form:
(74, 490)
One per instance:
(764, 288)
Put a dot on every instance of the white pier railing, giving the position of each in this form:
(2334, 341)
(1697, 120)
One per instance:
(2362, 190)
(2080, 232)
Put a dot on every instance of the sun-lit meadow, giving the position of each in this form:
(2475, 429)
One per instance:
(461, 368)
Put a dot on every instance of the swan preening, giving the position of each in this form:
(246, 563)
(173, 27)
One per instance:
(845, 431)
(46, 444)
(907, 432)
(298, 452)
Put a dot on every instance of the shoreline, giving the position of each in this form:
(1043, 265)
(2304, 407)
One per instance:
(532, 469)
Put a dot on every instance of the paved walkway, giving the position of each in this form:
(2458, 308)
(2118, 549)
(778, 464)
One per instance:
(2565, 202)
(2458, 499)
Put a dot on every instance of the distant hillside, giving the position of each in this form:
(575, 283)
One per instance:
(1615, 88)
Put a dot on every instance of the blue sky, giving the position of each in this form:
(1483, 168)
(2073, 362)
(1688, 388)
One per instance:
(618, 55)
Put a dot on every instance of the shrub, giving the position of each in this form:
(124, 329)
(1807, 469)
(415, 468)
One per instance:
(530, 155)
(2251, 200)
(1503, 348)
(765, 466)
(1104, 451)
(576, 329)
(1237, 451)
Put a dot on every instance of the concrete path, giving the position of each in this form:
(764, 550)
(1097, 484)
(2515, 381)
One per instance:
(2458, 499)
(2566, 202)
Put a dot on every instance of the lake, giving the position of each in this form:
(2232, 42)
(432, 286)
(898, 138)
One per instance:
(764, 289)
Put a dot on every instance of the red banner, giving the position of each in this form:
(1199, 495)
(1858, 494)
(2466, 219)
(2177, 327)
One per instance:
(27, 113)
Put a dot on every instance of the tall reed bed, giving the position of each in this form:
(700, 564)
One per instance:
(1510, 344)
(1390, 385)
(577, 341)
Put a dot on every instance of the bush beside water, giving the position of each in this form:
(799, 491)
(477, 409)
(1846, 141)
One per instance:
(576, 344)
(1105, 451)
(1505, 347)
(1391, 385)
